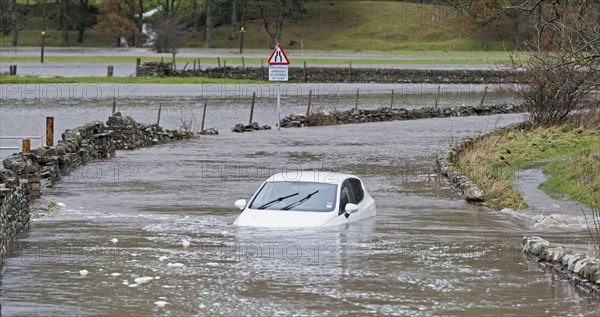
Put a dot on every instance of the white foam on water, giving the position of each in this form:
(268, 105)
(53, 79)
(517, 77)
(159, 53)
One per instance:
(161, 303)
(143, 280)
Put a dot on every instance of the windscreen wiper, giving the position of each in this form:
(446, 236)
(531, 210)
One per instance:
(292, 205)
(277, 200)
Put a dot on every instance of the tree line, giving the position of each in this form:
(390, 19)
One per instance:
(170, 21)
(560, 75)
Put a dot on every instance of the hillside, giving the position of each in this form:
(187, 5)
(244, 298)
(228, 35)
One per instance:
(363, 25)
(331, 25)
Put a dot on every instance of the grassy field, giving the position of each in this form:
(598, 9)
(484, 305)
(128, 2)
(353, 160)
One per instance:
(122, 80)
(365, 25)
(54, 38)
(329, 25)
(569, 155)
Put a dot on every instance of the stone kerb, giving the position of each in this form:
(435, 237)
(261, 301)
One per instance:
(581, 269)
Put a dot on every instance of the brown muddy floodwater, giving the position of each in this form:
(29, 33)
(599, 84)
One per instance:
(114, 246)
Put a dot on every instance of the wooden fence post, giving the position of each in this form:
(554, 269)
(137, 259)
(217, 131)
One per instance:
(305, 76)
(49, 131)
(203, 117)
(138, 63)
(309, 103)
(252, 108)
(26, 146)
(159, 110)
(350, 73)
(483, 98)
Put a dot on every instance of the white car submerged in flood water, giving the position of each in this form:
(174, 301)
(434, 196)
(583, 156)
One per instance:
(307, 199)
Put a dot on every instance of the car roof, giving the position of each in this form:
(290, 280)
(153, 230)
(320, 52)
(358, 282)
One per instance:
(328, 177)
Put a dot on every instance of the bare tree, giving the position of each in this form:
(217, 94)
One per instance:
(169, 35)
(233, 32)
(85, 19)
(140, 18)
(195, 17)
(483, 24)
(274, 13)
(564, 66)
(64, 9)
(208, 25)
(170, 7)
(12, 16)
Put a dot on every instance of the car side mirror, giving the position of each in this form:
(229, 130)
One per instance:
(240, 203)
(351, 208)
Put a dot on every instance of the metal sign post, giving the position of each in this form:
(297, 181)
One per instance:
(278, 106)
(278, 71)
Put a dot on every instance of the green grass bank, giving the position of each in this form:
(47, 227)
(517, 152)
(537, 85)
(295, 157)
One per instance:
(569, 155)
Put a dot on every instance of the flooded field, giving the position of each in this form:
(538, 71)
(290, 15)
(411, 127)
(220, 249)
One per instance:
(116, 242)
(23, 108)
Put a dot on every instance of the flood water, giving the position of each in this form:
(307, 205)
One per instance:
(115, 244)
(23, 108)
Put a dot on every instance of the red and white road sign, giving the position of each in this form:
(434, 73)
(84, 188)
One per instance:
(278, 57)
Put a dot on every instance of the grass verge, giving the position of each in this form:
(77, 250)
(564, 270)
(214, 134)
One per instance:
(123, 80)
(237, 61)
(570, 156)
(577, 177)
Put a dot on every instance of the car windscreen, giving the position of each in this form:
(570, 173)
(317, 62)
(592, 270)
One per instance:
(304, 196)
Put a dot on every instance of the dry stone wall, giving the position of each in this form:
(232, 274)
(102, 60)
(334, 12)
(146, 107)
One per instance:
(445, 165)
(24, 174)
(340, 74)
(388, 114)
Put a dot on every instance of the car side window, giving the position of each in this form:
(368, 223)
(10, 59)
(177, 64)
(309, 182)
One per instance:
(346, 196)
(357, 190)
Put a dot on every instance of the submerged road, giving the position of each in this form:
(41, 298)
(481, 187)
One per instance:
(114, 245)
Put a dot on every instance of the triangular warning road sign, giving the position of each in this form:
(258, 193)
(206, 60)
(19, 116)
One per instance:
(278, 57)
